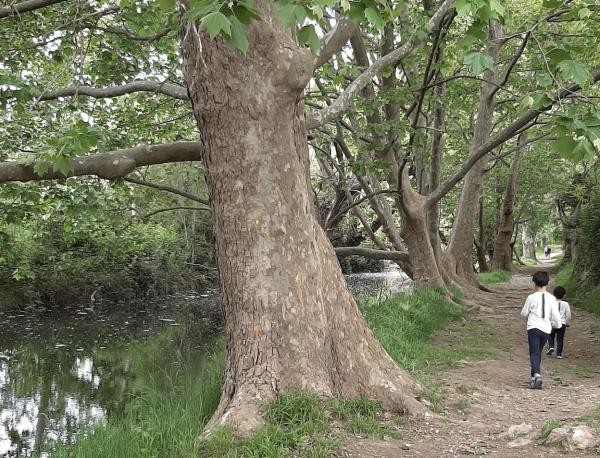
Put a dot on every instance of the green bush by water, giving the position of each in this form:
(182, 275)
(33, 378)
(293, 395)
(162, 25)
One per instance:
(495, 276)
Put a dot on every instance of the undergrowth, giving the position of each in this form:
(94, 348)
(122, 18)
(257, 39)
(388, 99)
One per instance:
(495, 276)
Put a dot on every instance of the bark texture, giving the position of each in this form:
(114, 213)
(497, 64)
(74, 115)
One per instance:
(458, 257)
(502, 248)
(291, 321)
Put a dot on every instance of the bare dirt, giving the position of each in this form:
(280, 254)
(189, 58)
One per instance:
(485, 397)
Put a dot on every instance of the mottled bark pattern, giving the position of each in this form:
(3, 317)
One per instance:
(290, 319)
(459, 258)
(502, 248)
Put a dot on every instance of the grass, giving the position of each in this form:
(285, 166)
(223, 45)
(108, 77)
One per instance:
(548, 427)
(166, 417)
(495, 276)
(592, 419)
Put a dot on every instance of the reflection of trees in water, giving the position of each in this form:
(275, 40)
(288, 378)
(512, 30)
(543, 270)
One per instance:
(48, 394)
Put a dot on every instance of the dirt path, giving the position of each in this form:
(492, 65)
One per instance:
(494, 393)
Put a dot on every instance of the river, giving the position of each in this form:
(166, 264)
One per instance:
(63, 372)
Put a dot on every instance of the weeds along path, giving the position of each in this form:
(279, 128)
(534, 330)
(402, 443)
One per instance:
(484, 398)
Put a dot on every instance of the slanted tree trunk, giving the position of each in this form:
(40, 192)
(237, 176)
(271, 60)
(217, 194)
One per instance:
(415, 232)
(458, 257)
(528, 241)
(290, 320)
(480, 244)
(502, 248)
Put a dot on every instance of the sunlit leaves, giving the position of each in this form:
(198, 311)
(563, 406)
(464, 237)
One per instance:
(291, 14)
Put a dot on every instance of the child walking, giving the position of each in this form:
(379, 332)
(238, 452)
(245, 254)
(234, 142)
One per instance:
(564, 309)
(541, 311)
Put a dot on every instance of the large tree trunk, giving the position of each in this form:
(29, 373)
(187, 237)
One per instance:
(502, 248)
(415, 233)
(290, 320)
(458, 257)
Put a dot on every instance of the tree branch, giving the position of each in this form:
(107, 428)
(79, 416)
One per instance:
(340, 105)
(505, 134)
(172, 90)
(335, 40)
(166, 189)
(23, 7)
(109, 165)
(398, 256)
(162, 210)
(131, 35)
(513, 61)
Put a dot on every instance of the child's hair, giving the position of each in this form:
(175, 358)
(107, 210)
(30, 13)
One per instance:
(559, 292)
(541, 279)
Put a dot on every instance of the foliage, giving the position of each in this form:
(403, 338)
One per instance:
(548, 427)
(496, 276)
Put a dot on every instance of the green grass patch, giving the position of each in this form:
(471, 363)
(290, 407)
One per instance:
(495, 276)
(548, 427)
(592, 419)
(163, 419)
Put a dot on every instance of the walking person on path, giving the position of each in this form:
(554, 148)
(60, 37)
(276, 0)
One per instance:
(565, 318)
(541, 311)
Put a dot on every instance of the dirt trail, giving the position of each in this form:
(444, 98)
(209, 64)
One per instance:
(498, 388)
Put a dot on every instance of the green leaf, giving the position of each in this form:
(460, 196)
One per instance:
(308, 36)
(564, 146)
(167, 5)
(375, 18)
(574, 70)
(463, 7)
(238, 35)
(584, 151)
(246, 12)
(497, 8)
(544, 80)
(345, 4)
(291, 14)
(40, 168)
(63, 164)
(584, 13)
(479, 62)
(557, 55)
(540, 101)
(215, 23)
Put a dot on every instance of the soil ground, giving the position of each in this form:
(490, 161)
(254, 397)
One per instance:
(485, 397)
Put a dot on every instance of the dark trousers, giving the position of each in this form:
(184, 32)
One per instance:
(560, 339)
(537, 339)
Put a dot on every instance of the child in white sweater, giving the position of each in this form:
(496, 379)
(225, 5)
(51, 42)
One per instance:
(541, 311)
(565, 318)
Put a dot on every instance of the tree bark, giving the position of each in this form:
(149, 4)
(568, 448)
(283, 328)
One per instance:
(502, 248)
(528, 240)
(415, 233)
(480, 244)
(458, 257)
(290, 320)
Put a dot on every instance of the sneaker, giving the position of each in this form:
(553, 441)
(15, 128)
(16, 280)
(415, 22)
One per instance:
(559, 357)
(550, 351)
(537, 382)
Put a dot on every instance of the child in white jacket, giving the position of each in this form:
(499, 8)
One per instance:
(565, 318)
(541, 311)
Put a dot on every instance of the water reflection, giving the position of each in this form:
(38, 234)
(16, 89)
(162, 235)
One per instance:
(59, 374)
